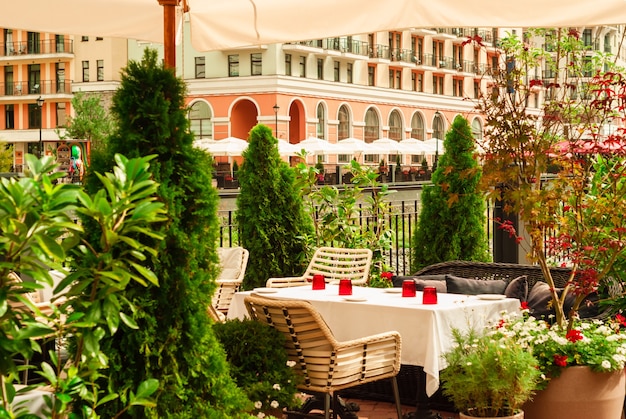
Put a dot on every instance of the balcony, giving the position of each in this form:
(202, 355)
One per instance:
(403, 55)
(380, 52)
(17, 49)
(45, 87)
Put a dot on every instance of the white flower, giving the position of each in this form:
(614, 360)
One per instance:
(260, 415)
(258, 405)
(291, 364)
(606, 364)
(274, 404)
(276, 387)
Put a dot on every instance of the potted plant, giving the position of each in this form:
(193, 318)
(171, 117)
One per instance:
(488, 376)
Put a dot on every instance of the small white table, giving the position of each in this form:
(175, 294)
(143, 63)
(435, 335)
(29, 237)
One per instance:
(426, 330)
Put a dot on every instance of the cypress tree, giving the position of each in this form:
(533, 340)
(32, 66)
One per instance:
(270, 213)
(175, 342)
(452, 219)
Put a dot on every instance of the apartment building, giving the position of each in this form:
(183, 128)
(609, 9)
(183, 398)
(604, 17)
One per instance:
(397, 84)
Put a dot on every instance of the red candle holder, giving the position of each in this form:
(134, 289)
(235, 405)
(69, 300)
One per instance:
(319, 282)
(429, 295)
(408, 288)
(345, 287)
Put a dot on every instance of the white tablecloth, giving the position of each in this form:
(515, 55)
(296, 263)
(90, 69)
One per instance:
(426, 330)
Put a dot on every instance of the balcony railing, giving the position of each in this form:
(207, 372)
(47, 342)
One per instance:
(405, 55)
(379, 51)
(11, 49)
(354, 47)
(44, 87)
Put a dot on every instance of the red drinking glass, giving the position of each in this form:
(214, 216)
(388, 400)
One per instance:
(430, 295)
(345, 287)
(319, 282)
(408, 288)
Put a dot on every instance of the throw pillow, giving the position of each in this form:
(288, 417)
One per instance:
(474, 286)
(421, 281)
(518, 288)
(540, 298)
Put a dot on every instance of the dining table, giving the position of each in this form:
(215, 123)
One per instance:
(425, 329)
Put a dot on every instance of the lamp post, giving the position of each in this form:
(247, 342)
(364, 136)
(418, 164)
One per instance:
(40, 106)
(276, 108)
(437, 131)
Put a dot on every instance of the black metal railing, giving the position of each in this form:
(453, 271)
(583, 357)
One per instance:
(42, 87)
(52, 46)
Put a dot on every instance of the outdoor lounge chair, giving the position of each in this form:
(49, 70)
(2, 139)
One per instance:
(334, 263)
(326, 365)
(233, 263)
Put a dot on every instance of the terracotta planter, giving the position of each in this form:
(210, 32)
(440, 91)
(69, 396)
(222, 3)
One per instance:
(519, 415)
(579, 393)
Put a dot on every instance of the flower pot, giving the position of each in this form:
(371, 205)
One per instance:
(518, 415)
(579, 393)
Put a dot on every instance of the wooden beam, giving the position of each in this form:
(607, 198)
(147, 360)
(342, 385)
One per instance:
(169, 31)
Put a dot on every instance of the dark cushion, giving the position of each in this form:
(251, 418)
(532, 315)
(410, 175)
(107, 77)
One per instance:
(421, 281)
(539, 302)
(518, 288)
(473, 286)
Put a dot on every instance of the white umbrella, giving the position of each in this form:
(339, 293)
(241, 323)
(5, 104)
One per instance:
(356, 146)
(436, 145)
(228, 24)
(390, 146)
(414, 146)
(287, 149)
(313, 145)
(230, 146)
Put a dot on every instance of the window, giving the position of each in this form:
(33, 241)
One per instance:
(233, 65)
(9, 117)
(417, 81)
(343, 130)
(438, 53)
(457, 87)
(336, 70)
(60, 71)
(302, 66)
(395, 78)
(587, 37)
(321, 122)
(256, 64)
(34, 78)
(200, 67)
(34, 46)
(84, 38)
(320, 69)
(288, 64)
(85, 71)
(34, 116)
(417, 47)
(457, 57)
(476, 89)
(100, 70)
(99, 38)
(439, 129)
(61, 114)
(395, 126)
(200, 120)
(477, 129)
(344, 158)
(438, 85)
(9, 46)
(371, 75)
(372, 126)
(417, 127)
(349, 73)
(59, 42)
(9, 88)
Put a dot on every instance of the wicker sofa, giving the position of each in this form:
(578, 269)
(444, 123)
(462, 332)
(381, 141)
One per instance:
(411, 379)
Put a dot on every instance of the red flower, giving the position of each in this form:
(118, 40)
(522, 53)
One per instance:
(386, 275)
(524, 305)
(574, 335)
(560, 360)
(621, 319)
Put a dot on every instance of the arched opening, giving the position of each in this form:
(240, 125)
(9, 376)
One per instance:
(243, 118)
(297, 126)
(200, 120)
(372, 126)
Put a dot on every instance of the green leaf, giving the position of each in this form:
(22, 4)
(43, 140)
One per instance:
(147, 388)
(128, 321)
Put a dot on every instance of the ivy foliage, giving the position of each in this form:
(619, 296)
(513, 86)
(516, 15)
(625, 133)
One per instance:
(174, 342)
(270, 212)
(452, 221)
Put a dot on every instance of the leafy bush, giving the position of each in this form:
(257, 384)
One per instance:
(259, 363)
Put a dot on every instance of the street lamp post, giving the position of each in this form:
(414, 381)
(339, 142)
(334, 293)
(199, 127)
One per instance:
(276, 108)
(40, 106)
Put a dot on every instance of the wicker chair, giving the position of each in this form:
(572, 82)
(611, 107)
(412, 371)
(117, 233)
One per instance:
(334, 263)
(233, 263)
(326, 365)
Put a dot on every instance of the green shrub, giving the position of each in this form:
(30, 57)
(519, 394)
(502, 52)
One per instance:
(259, 362)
